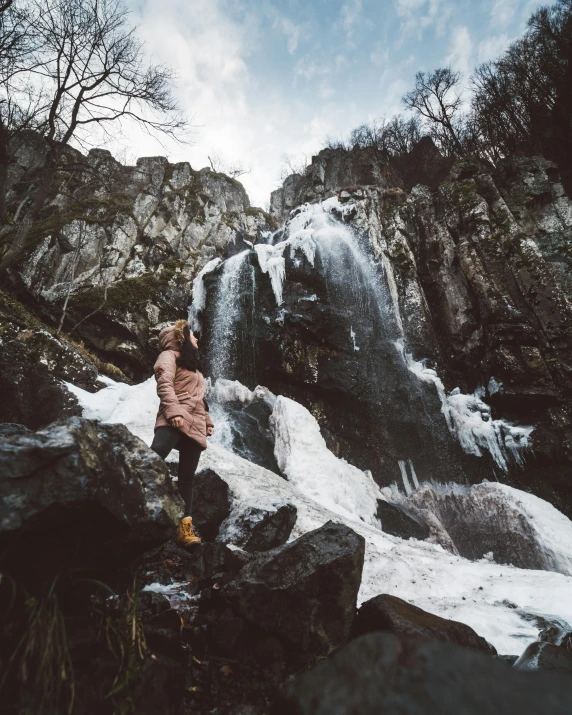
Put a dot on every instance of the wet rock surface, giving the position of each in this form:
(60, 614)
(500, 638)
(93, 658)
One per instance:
(31, 394)
(477, 268)
(211, 503)
(381, 673)
(80, 492)
(395, 520)
(546, 656)
(304, 593)
(392, 614)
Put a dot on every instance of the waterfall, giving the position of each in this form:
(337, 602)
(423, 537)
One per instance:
(406, 400)
(230, 345)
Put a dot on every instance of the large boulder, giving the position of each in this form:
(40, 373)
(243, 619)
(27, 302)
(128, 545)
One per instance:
(80, 492)
(211, 503)
(380, 673)
(389, 613)
(303, 593)
(31, 394)
(545, 656)
(396, 521)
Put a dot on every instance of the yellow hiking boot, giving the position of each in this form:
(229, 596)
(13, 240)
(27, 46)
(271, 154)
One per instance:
(186, 534)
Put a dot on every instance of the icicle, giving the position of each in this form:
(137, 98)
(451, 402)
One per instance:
(353, 337)
(271, 261)
(413, 475)
(406, 484)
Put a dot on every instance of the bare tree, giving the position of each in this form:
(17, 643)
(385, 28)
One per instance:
(89, 69)
(222, 167)
(293, 165)
(437, 99)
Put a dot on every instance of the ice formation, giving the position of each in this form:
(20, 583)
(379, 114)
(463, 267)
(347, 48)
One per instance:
(536, 532)
(271, 261)
(469, 419)
(199, 294)
(494, 599)
(303, 457)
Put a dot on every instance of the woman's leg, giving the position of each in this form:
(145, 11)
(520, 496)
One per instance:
(189, 454)
(165, 439)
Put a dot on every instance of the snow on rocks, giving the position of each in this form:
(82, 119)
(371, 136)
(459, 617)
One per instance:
(486, 596)
(469, 419)
(512, 525)
(492, 598)
(303, 457)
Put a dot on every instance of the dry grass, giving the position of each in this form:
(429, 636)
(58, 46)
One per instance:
(41, 661)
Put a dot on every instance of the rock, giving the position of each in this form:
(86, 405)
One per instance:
(558, 635)
(31, 394)
(545, 656)
(80, 491)
(389, 613)
(379, 673)
(155, 226)
(480, 277)
(9, 429)
(303, 593)
(211, 503)
(163, 634)
(395, 520)
(516, 527)
(195, 569)
(267, 530)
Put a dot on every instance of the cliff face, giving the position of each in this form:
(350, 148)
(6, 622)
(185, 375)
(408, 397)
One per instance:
(479, 274)
(123, 243)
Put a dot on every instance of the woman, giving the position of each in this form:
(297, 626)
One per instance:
(183, 421)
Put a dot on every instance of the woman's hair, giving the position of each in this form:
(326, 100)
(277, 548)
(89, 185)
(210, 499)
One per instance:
(189, 358)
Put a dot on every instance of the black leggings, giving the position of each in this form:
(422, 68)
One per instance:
(168, 438)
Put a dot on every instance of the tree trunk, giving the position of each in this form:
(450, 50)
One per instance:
(3, 173)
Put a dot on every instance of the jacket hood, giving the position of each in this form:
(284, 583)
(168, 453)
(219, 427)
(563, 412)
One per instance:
(172, 338)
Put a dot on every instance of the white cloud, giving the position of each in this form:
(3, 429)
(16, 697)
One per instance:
(379, 56)
(492, 47)
(292, 31)
(460, 56)
(418, 15)
(503, 13)
(350, 13)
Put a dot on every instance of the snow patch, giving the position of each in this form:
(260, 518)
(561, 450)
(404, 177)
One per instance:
(489, 597)
(302, 455)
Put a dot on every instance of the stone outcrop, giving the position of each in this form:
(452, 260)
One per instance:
(381, 673)
(335, 168)
(478, 270)
(304, 593)
(545, 656)
(125, 242)
(491, 518)
(80, 492)
(394, 615)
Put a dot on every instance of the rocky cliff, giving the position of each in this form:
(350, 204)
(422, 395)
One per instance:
(119, 245)
(477, 275)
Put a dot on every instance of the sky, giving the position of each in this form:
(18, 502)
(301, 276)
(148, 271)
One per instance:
(262, 80)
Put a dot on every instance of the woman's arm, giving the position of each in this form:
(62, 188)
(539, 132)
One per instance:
(208, 420)
(165, 369)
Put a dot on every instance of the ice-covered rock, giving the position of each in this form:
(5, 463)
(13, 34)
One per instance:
(515, 527)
